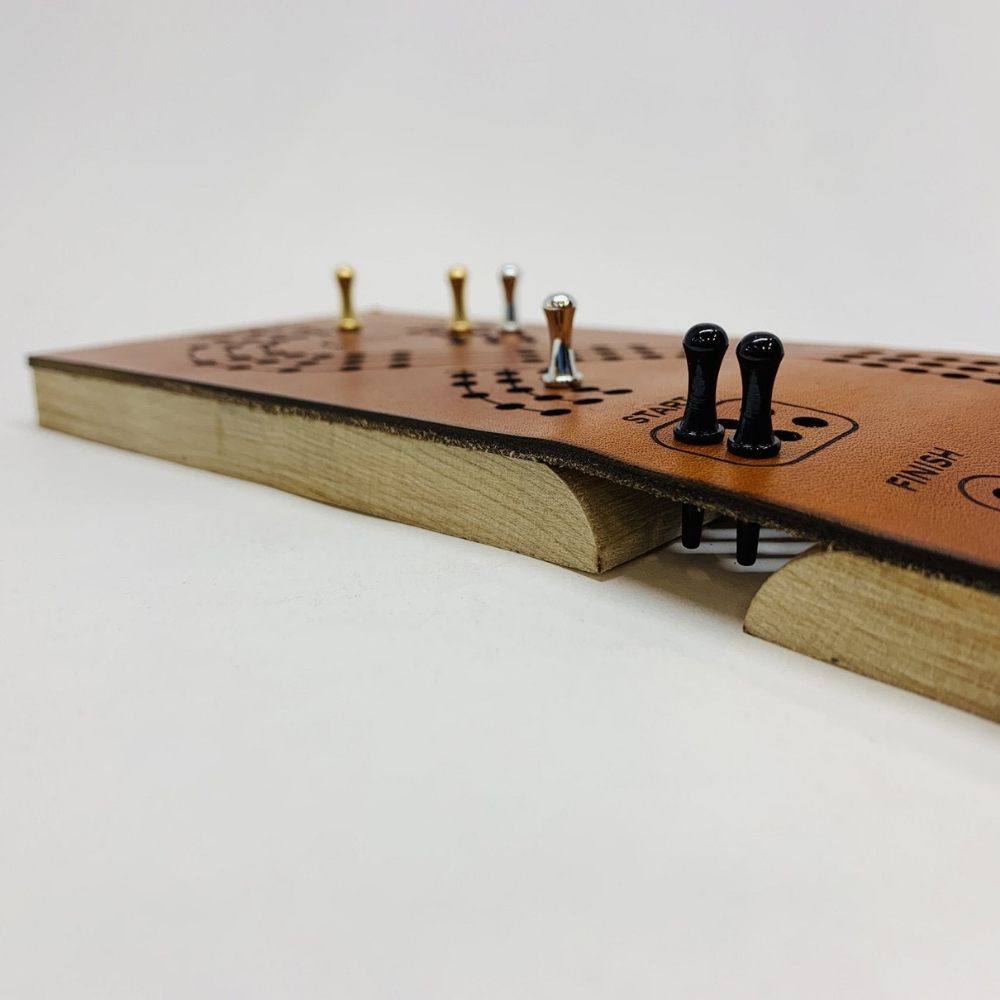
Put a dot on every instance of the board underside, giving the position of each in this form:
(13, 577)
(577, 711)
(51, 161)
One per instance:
(885, 453)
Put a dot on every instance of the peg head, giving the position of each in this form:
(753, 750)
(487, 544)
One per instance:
(559, 312)
(705, 346)
(759, 355)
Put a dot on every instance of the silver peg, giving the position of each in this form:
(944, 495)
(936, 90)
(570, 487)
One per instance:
(562, 370)
(509, 274)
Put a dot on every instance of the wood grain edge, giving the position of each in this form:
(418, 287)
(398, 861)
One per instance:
(920, 632)
(557, 515)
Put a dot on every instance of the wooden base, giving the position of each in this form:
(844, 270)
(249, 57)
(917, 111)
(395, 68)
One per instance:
(901, 626)
(919, 632)
(554, 514)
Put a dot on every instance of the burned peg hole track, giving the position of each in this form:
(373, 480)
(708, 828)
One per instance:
(509, 389)
(289, 349)
(532, 349)
(949, 366)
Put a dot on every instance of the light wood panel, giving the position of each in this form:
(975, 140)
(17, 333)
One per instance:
(902, 626)
(558, 515)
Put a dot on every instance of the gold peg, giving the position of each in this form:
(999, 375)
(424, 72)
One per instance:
(459, 325)
(559, 312)
(348, 321)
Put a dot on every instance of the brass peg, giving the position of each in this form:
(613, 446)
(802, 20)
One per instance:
(562, 371)
(459, 325)
(348, 321)
(509, 274)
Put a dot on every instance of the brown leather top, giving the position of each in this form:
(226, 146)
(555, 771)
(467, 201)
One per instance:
(887, 453)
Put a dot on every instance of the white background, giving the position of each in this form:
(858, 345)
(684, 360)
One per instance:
(255, 747)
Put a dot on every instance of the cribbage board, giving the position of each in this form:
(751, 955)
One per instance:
(886, 453)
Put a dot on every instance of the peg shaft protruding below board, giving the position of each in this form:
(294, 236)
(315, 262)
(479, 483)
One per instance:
(747, 539)
(509, 274)
(459, 326)
(344, 277)
(692, 520)
(559, 312)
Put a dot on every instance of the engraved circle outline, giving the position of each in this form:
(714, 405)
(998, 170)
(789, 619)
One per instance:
(979, 503)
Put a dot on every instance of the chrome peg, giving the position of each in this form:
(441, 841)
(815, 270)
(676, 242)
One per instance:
(509, 274)
(562, 371)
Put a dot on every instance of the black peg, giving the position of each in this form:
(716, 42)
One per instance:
(705, 346)
(759, 355)
(692, 518)
(747, 537)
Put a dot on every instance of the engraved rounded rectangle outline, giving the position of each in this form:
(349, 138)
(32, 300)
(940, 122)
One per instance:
(751, 463)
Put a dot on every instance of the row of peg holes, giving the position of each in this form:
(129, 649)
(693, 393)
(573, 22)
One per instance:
(780, 434)
(874, 359)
